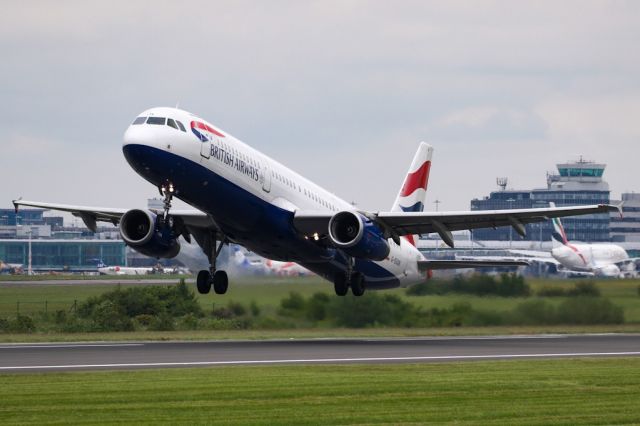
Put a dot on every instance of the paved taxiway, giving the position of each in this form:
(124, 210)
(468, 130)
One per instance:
(99, 356)
(85, 282)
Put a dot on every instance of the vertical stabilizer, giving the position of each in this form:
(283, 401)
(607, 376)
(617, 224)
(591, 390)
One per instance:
(558, 236)
(414, 187)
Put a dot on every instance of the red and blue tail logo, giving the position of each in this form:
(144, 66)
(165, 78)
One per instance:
(410, 195)
(414, 188)
(198, 128)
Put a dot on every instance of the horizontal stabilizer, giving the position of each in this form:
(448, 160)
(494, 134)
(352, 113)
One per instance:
(425, 265)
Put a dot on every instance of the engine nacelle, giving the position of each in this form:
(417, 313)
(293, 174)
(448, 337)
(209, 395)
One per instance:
(610, 271)
(358, 236)
(145, 233)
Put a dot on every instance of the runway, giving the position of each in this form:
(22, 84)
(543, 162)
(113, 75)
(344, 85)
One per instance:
(85, 282)
(138, 355)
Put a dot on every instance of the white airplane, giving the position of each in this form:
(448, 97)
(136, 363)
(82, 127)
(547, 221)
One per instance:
(601, 259)
(124, 270)
(289, 269)
(10, 268)
(241, 195)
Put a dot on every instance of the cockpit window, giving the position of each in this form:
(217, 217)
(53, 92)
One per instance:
(181, 126)
(156, 120)
(139, 120)
(171, 123)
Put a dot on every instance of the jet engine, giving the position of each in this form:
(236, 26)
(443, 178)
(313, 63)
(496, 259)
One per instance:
(146, 233)
(358, 236)
(611, 271)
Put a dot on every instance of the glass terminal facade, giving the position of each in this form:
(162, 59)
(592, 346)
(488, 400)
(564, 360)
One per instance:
(61, 255)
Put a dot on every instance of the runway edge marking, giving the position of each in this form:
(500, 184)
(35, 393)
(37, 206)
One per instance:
(318, 360)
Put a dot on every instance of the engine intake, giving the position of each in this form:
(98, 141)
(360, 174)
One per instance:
(145, 233)
(358, 236)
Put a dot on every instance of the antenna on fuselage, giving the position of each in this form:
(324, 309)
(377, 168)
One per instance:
(177, 104)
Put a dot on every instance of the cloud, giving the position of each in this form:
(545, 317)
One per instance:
(340, 90)
(488, 123)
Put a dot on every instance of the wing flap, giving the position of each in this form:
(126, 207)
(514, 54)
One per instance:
(425, 265)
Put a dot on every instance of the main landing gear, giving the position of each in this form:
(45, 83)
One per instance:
(205, 279)
(218, 279)
(352, 279)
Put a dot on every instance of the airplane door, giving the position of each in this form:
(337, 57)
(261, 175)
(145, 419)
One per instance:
(205, 149)
(266, 178)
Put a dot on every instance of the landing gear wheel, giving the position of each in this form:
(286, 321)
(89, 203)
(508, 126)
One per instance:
(203, 282)
(340, 285)
(220, 282)
(357, 284)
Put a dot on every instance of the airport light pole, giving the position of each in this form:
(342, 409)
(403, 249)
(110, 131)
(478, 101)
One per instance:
(510, 201)
(29, 232)
(30, 270)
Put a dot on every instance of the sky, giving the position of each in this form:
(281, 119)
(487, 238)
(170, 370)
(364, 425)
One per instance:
(340, 91)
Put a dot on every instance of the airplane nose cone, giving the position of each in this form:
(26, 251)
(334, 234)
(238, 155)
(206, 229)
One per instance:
(136, 135)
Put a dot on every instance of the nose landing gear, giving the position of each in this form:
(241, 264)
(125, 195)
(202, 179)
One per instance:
(167, 191)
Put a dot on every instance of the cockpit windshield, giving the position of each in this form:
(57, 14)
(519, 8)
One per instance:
(156, 120)
(160, 121)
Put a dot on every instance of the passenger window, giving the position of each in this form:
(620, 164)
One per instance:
(171, 123)
(156, 120)
(139, 120)
(181, 126)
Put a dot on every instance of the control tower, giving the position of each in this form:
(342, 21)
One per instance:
(581, 175)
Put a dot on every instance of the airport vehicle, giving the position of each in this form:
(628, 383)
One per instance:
(601, 259)
(243, 196)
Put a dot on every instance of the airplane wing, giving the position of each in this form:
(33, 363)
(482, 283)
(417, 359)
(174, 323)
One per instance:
(527, 259)
(91, 215)
(424, 265)
(395, 224)
(531, 253)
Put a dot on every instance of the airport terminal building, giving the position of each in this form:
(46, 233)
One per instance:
(575, 183)
(55, 247)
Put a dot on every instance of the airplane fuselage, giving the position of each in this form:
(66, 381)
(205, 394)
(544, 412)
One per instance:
(600, 259)
(250, 197)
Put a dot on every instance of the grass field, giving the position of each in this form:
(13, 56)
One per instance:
(267, 292)
(580, 391)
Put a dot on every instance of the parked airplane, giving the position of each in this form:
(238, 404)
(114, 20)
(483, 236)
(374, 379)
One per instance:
(241, 195)
(126, 270)
(10, 268)
(289, 269)
(601, 259)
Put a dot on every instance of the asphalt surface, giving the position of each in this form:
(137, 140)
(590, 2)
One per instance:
(86, 282)
(137, 355)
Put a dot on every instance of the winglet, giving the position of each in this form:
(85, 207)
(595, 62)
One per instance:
(16, 204)
(619, 208)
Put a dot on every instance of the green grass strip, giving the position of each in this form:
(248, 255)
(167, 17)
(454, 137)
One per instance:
(573, 391)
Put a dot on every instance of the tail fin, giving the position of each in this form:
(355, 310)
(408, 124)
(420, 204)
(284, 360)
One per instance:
(558, 236)
(414, 187)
